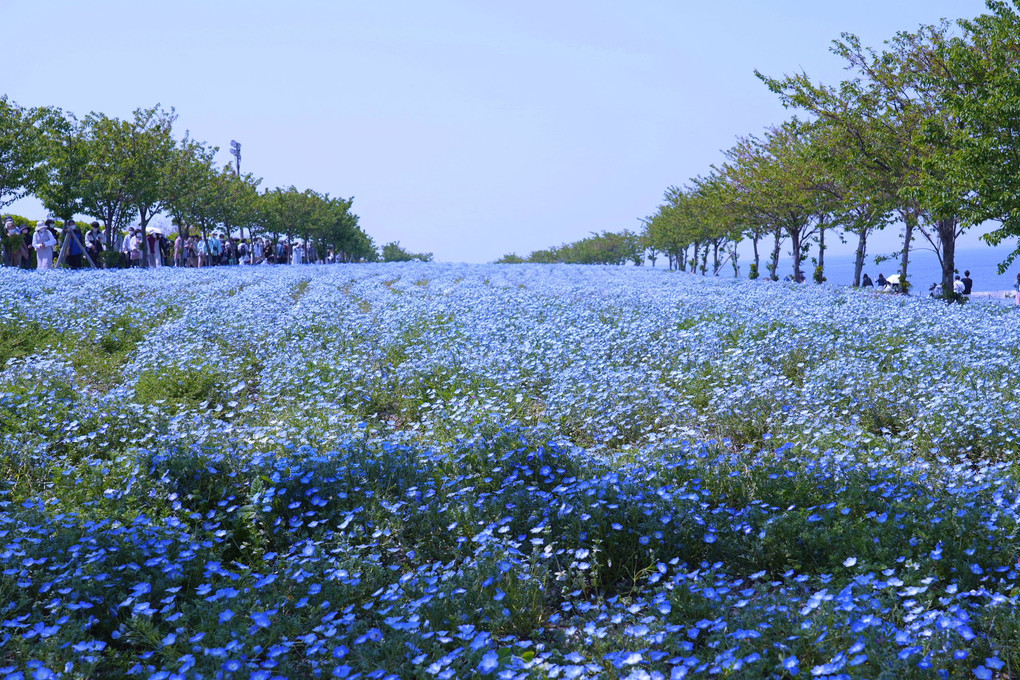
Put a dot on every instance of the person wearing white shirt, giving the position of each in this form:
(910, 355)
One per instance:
(43, 242)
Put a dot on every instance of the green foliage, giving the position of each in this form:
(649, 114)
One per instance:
(117, 169)
(21, 150)
(393, 252)
(182, 387)
(605, 248)
(20, 337)
(62, 185)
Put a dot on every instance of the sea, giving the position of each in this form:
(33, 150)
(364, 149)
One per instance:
(924, 269)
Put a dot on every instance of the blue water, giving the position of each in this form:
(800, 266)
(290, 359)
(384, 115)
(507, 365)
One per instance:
(924, 268)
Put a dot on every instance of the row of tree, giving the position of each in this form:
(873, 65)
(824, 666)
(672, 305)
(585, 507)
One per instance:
(605, 248)
(923, 133)
(127, 172)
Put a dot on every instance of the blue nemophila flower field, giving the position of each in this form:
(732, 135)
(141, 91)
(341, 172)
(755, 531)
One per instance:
(436, 471)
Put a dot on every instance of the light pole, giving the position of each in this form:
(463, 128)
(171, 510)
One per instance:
(235, 151)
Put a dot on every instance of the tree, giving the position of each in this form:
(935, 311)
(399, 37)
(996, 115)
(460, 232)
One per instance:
(104, 180)
(894, 112)
(983, 67)
(150, 152)
(859, 203)
(61, 184)
(240, 196)
(21, 151)
(772, 176)
(189, 168)
(393, 252)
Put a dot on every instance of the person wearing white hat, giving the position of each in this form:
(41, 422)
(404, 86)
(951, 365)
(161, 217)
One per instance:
(153, 252)
(43, 242)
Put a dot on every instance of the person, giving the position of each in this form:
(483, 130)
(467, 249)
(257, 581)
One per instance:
(935, 290)
(215, 248)
(958, 286)
(152, 249)
(968, 283)
(13, 252)
(135, 248)
(74, 246)
(866, 282)
(125, 250)
(257, 251)
(191, 252)
(281, 252)
(204, 252)
(1017, 286)
(880, 281)
(179, 257)
(94, 243)
(16, 244)
(44, 241)
(26, 240)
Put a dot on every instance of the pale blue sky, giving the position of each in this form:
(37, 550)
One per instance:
(469, 129)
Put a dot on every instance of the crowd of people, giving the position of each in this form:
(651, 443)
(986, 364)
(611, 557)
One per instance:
(47, 246)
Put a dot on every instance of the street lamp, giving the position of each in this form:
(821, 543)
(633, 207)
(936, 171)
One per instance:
(235, 151)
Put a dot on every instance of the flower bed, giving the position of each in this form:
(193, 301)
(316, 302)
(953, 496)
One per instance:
(491, 471)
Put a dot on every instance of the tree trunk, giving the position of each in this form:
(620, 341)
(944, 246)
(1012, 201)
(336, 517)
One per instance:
(910, 221)
(143, 220)
(946, 229)
(773, 266)
(795, 245)
(862, 249)
(820, 273)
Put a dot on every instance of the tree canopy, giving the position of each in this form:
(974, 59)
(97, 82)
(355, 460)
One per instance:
(123, 172)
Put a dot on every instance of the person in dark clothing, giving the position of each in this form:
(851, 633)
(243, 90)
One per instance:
(94, 243)
(866, 282)
(968, 283)
(76, 245)
(26, 261)
(881, 282)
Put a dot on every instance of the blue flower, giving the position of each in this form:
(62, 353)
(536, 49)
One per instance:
(489, 662)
